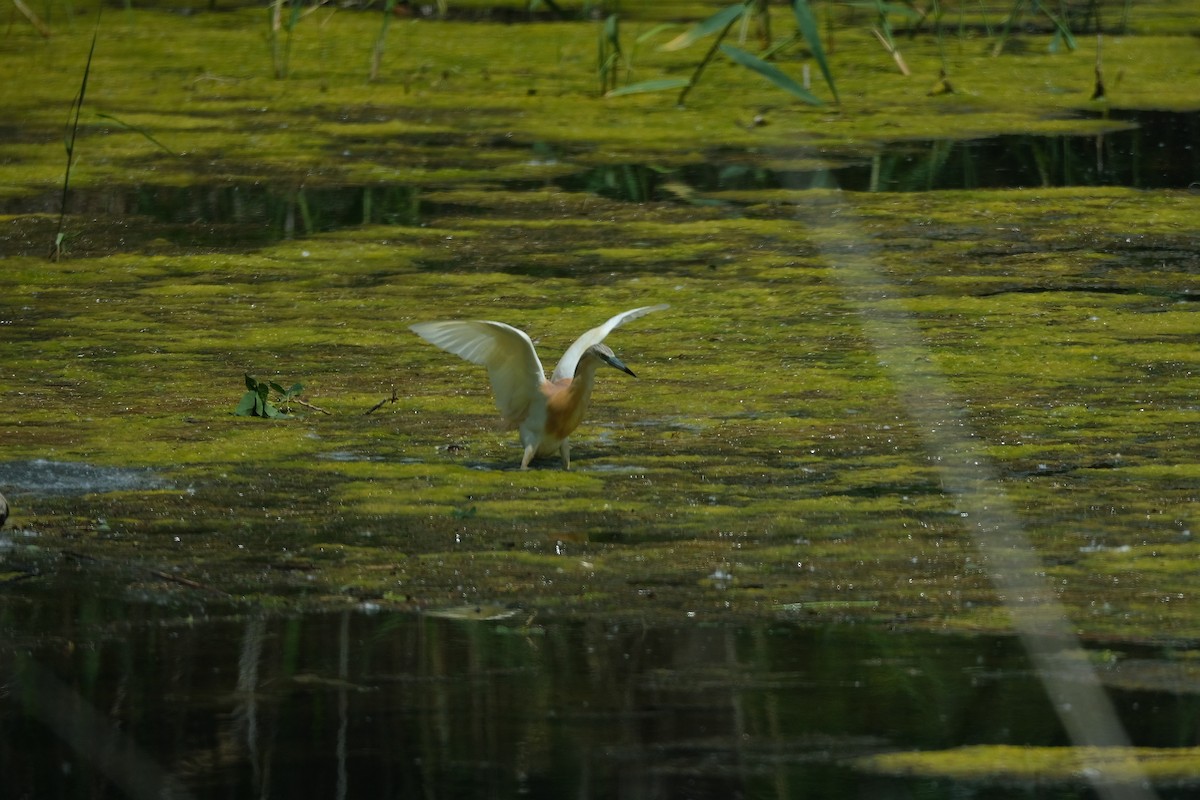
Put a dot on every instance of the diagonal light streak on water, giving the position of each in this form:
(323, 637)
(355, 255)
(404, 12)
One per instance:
(968, 475)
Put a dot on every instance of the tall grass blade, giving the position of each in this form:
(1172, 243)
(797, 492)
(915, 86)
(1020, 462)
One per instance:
(1061, 31)
(807, 24)
(275, 25)
(293, 18)
(771, 73)
(655, 85)
(712, 51)
(610, 55)
(389, 9)
(140, 131)
(281, 51)
(642, 38)
(718, 22)
(1060, 27)
(612, 28)
(57, 248)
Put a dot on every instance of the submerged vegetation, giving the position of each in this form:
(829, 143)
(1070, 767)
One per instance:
(769, 464)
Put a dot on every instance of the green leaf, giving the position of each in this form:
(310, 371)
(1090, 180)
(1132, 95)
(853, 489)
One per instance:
(807, 24)
(297, 10)
(245, 407)
(655, 85)
(251, 384)
(655, 31)
(771, 73)
(714, 24)
(276, 388)
(611, 28)
(296, 389)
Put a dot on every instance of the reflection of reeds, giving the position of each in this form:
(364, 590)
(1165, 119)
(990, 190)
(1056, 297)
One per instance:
(77, 106)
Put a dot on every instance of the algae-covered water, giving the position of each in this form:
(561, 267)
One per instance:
(920, 421)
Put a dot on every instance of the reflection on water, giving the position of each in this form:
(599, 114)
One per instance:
(1157, 151)
(73, 477)
(138, 699)
(247, 214)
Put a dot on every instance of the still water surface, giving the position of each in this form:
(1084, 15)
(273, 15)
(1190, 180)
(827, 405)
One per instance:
(1158, 150)
(114, 693)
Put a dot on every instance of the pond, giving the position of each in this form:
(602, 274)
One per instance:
(150, 700)
(901, 502)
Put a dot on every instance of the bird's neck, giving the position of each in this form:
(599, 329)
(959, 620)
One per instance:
(585, 376)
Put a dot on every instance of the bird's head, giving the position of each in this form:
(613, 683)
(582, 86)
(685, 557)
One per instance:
(605, 355)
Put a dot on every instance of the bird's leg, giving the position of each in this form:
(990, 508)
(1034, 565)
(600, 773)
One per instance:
(530, 451)
(564, 450)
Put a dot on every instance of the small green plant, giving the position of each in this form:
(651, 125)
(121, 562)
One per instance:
(258, 402)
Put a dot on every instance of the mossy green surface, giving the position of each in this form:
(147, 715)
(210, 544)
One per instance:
(764, 463)
(1045, 765)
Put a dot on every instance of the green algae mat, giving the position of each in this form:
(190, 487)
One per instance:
(843, 381)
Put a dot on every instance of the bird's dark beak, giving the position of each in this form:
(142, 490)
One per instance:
(617, 363)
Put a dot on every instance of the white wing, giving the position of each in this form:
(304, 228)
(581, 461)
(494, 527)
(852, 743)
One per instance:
(570, 360)
(512, 363)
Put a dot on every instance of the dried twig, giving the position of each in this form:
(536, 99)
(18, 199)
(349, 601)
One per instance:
(382, 402)
(33, 18)
(188, 582)
(891, 48)
(298, 401)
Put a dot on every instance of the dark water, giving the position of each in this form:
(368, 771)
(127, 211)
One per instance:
(1159, 150)
(115, 687)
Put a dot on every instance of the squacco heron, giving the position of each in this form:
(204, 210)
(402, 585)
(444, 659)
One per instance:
(545, 412)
